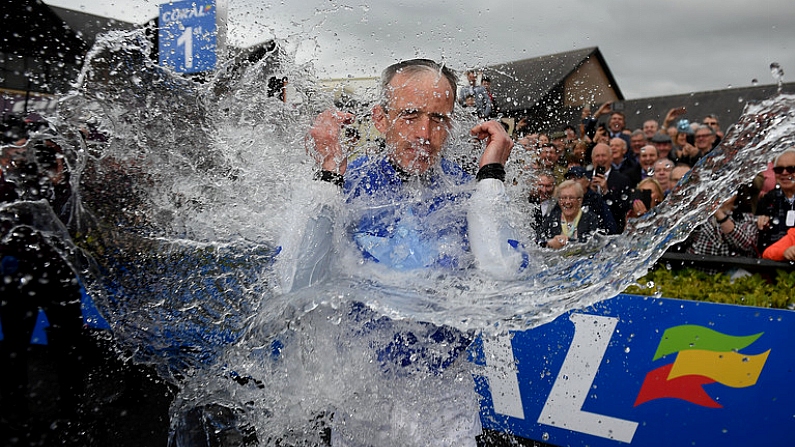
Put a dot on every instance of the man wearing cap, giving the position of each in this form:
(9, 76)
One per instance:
(593, 202)
(663, 144)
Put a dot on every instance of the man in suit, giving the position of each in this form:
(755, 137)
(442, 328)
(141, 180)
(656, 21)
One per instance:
(614, 186)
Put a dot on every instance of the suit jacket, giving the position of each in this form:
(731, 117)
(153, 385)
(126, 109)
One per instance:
(619, 188)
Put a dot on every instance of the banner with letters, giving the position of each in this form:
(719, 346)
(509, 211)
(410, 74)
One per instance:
(644, 371)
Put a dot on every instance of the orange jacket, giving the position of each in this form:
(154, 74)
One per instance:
(776, 251)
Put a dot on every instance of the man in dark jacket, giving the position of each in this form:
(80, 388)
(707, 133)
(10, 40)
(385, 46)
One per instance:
(614, 187)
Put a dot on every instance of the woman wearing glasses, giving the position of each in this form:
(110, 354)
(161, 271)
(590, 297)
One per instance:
(776, 209)
(567, 222)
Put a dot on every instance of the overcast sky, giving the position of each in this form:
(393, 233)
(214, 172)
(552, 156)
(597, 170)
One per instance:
(652, 48)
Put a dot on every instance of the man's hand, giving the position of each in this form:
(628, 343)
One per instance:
(688, 150)
(325, 140)
(638, 208)
(672, 115)
(762, 222)
(599, 183)
(604, 108)
(558, 242)
(498, 143)
(789, 253)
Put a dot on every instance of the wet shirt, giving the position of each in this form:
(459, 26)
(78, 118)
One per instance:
(408, 222)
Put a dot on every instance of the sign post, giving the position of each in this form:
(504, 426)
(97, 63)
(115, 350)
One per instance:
(189, 35)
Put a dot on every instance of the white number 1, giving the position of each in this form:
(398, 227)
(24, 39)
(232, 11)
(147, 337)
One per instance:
(187, 39)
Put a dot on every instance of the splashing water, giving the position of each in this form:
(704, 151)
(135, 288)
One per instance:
(179, 214)
(778, 74)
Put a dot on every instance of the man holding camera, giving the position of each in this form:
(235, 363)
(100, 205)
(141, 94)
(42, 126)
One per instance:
(614, 186)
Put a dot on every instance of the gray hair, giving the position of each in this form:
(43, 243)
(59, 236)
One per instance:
(570, 184)
(412, 67)
(788, 151)
(704, 126)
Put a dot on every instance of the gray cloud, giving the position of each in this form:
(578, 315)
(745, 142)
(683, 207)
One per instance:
(652, 48)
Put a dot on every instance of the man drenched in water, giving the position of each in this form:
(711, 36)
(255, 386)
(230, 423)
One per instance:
(407, 210)
(409, 190)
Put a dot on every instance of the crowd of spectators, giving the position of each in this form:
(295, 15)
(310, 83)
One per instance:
(623, 173)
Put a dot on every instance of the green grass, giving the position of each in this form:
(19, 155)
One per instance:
(771, 291)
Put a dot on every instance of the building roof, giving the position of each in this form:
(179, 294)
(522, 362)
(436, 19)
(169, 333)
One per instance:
(528, 81)
(32, 28)
(28, 28)
(88, 26)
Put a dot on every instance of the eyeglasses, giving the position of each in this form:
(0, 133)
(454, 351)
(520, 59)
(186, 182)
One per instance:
(781, 169)
(569, 198)
(707, 123)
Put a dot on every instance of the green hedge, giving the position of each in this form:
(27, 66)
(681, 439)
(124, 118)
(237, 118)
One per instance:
(690, 284)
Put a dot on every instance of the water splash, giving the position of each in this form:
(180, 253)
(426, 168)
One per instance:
(179, 210)
(778, 74)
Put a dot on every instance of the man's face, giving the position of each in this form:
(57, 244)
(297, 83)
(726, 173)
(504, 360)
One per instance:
(616, 123)
(704, 140)
(618, 149)
(545, 187)
(472, 78)
(662, 172)
(663, 149)
(786, 179)
(636, 142)
(713, 123)
(676, 174)
(548, 155)
(600, 156)
(560, 144)
(650, 128)
(416, 121)
(648, 155)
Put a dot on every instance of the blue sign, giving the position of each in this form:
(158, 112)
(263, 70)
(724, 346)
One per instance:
(644, 371)
(188, 36)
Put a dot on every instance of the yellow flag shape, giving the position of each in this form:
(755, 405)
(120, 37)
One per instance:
(729, 368)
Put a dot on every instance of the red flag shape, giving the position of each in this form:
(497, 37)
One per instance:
(689, 388)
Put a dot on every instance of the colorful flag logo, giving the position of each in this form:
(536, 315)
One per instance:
(703, 356)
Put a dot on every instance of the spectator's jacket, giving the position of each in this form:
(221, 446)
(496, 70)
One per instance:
(402, 222)
(708, 239)
(619, 189)
(587, 226)
(596, 205)
(775, 252)
(775, 205)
